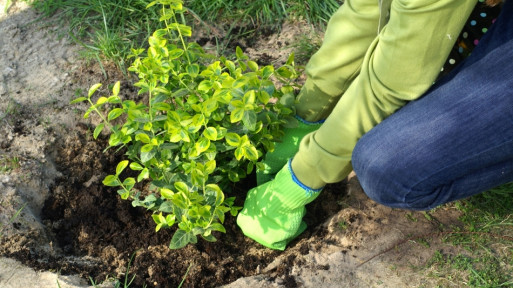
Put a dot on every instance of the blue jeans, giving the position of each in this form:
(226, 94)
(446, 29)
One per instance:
(455, 141)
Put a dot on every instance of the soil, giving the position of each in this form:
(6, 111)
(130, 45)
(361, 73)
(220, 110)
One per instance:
(51, 170)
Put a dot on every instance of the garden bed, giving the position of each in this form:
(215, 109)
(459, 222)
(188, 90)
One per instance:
(71, 224)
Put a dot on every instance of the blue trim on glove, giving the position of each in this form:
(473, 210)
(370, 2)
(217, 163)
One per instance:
(308, 122)
(309, 191)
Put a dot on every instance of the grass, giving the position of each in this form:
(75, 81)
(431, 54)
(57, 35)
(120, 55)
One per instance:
(486, 240)
(109, 29)
(7, 5)
(129, 279)
(305, 46)
(264, 12)
(13, 108)
(8, 164)
(12, 219)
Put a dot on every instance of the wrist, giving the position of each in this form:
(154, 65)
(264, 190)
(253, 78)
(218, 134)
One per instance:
(309, 184)
(300, 119)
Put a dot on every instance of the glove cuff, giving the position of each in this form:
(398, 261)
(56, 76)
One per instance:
(309, 191)
(308, 122)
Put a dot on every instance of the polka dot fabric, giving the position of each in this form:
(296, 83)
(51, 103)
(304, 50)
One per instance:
(477, 25)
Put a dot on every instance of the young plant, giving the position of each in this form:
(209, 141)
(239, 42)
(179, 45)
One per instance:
(206, 124)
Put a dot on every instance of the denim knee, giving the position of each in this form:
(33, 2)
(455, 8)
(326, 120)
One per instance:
(385, 179)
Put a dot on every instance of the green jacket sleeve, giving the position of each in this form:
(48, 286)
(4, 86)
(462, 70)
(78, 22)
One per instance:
(399, 66)
(331, 70)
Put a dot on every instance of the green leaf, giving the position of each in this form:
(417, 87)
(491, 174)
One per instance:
(144, 138)
(114, 113)
(238, 52)
(147, 156)
(181, 239)
(197, 177)
(209, 237)
(166, 207)
(89, 110)
(215, 191)
(124, 195)
(205, 86)
(115, 89)
(111, 180)
(136, 166)
(159, 33)
(193, 70)
(221, 132)
(175, 53)
(160, 220)
(162, 107)
(156, 218)
(180, 200)
(220, 214)
(145, 173)
(249, 97)
(210, 166)
(250, 168)
(267, 71)
(218, 227)
(93, 89)
(210, 133)
(79, 99)
(240, 82)
(101, 100)
(184, 135)
(250, 152)
(253, 66)
(260, 166)
(129, 183)
(146, 148)
(249, 119)
(121, 166)
(182, 187)
(210, 105)
(236, 115)
(290, 60)
(232, 139)
(98, 130)
(237, 103)
(151, 4)
(165, 17)
(284, 72)
(170, 220)
(239, 153)
(197, 122)
(183, 29)
(234, 210)
(230, 65)
(166, 193)
(203, 144)
(264, 97)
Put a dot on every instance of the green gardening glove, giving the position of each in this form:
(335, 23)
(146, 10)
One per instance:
(273, 212)
(285, 149)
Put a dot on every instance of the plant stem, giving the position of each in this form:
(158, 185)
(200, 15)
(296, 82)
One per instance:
(101, 115)
(173, 15)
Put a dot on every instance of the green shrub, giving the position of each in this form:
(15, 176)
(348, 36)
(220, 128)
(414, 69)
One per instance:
(206, 124)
